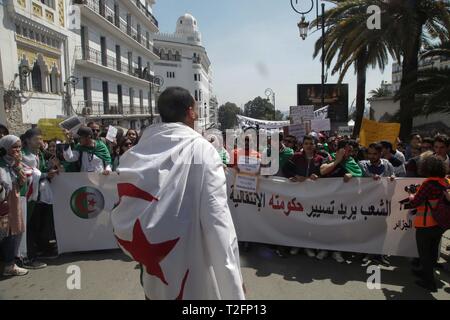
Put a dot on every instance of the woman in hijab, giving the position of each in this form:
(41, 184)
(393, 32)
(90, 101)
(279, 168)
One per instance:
(12, 178)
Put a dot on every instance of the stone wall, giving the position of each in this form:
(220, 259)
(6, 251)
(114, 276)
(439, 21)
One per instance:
(14, 119)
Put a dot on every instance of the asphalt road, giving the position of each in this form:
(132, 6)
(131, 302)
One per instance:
(111, 275)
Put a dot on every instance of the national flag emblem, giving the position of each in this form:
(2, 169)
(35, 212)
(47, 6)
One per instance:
(87, 202)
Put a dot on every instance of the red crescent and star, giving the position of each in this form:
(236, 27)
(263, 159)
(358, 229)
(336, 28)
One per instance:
(140, 248)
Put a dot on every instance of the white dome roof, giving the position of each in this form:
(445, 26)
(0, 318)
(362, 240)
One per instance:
(187, 24)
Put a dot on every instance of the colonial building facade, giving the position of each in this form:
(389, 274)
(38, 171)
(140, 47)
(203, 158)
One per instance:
(33, 61)
(184, 62)
(113, 59)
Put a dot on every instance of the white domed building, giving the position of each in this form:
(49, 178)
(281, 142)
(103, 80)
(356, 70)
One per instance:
(184, 62)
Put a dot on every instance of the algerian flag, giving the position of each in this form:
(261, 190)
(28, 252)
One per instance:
(173, 216)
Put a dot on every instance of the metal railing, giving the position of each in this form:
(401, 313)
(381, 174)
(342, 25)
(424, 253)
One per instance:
(101, 58)
(147, 13)
(109, 15)
(102, 108)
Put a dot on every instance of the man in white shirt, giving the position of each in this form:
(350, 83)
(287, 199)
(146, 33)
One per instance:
(91, 155)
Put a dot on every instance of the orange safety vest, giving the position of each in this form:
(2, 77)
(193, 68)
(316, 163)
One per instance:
(424, 217)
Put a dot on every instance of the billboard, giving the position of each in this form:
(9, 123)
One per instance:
(336, 97)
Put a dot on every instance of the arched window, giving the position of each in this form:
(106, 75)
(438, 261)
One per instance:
(54, 81)
(36, 78)
(177, 56)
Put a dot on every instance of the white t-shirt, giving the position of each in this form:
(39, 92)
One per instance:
(89, 163)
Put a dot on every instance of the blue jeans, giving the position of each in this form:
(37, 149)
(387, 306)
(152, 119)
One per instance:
(7, 249)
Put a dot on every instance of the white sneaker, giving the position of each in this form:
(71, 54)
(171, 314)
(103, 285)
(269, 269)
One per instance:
(338, 256)
(294, 251)
(310, 253)
(14, 270)
(322, 254)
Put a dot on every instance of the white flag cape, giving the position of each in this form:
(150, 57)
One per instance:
(173, 217)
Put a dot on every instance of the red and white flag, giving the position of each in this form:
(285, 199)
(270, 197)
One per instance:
(173, 217)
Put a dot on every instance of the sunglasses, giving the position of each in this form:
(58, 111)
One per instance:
(96, 130)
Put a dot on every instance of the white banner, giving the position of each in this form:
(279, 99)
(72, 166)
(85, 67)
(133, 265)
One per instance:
(82, 206)
(245, 122)
(360, 216)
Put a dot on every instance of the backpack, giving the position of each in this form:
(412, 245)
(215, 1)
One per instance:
(441, 213)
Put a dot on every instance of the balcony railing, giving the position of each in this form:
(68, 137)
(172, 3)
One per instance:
(101, 108)
(147, 12)
(109, 15)
(103, 59)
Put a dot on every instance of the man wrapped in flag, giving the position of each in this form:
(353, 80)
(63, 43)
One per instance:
(173, 216)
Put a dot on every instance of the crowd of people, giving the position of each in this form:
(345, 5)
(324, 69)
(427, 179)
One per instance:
(28, 164)
(319, 156)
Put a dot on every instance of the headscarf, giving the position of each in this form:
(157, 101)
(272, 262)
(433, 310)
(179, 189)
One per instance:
(7, 175)
(6, 144)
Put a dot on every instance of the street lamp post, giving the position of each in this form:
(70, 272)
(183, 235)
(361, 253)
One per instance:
(154, 81)
(303, 26)
(71, 81)
(206, 107)
(271, 94)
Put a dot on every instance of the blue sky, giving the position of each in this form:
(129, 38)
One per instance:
(255, 44)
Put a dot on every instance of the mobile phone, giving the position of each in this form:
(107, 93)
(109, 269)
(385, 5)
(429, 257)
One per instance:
(59, 150)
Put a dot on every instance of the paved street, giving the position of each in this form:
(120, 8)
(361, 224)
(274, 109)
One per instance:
(111, 275)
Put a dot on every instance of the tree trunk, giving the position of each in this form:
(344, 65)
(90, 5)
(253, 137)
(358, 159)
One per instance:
(361, 68)
(409, 71)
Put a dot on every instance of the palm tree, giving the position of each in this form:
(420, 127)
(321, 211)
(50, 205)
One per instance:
(349, 42)
(432, 87)
(416, 23)
(380, 92)
(406, 25)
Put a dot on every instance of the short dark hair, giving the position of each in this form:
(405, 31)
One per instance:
(4, 128)
(173, 104)
(442, 138)
(90, 123)
(432, 166)
(387, 145)
(415, 135)
(85, 132)
(309, 137)
(353, 143)
(30, 133)
(428, 140)
(343, 143)
(376, 146)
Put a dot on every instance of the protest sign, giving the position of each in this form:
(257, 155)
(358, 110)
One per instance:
(298, 131)
(345, 131)
(321, 113)
(71, 124)
(249, 164)
(248, 183)
(372, 131)
(319, 125)
(301, 114)
(112, 133)
(50, 129)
